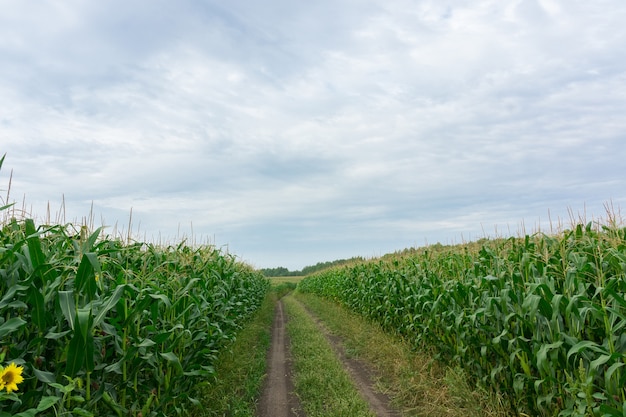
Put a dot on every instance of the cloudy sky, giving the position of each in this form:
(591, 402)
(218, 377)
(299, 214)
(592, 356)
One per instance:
(294, 132)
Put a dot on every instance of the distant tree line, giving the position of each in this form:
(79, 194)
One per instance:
(279, 272)
(307, 270)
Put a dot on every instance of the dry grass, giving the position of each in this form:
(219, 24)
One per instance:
(418, 384)
(285, 280)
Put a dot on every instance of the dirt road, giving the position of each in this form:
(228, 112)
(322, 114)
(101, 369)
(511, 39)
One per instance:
(278, 398)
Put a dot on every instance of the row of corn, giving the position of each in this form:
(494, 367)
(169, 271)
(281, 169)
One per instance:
(540, 319)
(93, 326)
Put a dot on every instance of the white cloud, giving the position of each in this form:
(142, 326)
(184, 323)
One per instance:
(297, 133)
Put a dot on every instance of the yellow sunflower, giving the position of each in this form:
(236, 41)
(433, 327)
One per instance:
(10, 377)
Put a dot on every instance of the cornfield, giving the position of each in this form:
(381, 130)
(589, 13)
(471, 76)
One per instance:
(101, 327)
(539, 319)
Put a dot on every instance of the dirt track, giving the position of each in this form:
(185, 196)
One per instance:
(278, 398)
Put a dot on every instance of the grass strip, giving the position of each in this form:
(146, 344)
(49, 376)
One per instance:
(417, 383)
(240, 369)
(324, 387)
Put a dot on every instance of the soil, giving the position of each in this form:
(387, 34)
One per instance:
(278, 398)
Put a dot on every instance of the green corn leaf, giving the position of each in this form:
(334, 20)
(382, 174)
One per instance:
(89, 353)
(609, 372)
(92, 240)
(545, 308)
(10, 294)
(519, 383)
(584, 345)
(115, 367)
(521, 356)
(200, 372)
(617, 297)
(43, 376)
(66, 302)
(146, 343)
(78, 411)
(542, 355)
(171, 358)
(81, 347)
(161, 297)
(559, 303)
(75, 354)
(47, 402)
(18, 305)
(612, 412)
(161, 337)
(37, 257)
(497, 339)
(85, 276)
(596, 363)
(81, 350)
(84, 322)
(37, 308)
(531, 303)
(113, 405)
(110, 302)
(57, 335)
(10, 326)
(190, 284)
(31, 412)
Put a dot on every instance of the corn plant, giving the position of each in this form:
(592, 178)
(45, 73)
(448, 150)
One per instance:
(103, 327)
(540, 318)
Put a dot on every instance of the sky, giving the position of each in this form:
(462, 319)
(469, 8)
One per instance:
(295, 132)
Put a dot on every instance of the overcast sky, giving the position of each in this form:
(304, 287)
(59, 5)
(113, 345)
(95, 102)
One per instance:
(295, 132)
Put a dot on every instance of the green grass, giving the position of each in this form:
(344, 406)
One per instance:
(323, 386)
(415, 381)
